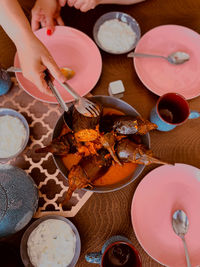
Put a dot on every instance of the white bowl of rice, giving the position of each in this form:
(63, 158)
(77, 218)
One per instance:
(14, 134)
(116, 32)
(51, 241)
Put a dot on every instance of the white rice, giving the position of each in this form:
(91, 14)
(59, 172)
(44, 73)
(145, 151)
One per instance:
(51, 244)
(12, 135)
(116, 36)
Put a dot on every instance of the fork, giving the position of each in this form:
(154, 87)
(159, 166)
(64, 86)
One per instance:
(82, 104)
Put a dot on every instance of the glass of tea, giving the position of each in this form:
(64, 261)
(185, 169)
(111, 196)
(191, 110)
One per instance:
(118, 251)
(171, 110)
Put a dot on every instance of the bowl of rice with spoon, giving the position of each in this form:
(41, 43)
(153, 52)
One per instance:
(116, 32)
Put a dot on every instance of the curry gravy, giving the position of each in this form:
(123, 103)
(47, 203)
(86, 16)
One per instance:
(115, 173)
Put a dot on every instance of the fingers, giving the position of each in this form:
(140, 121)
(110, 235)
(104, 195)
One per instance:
(43, 23)
(37, 78)
(62, 2)
(55, 71)
(41, 83)
(71, 2)
(35, 21)
(60, 21)
(82, 4)
(46, 15)
(85, 7)
(50, 24)
(78, 4)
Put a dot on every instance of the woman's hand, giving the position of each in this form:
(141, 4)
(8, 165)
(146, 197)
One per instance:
(83, 5)
(34, 59)
(46, 13)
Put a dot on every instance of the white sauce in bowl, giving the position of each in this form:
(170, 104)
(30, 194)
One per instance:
(116, 36)
(51, 244)
(12, 135)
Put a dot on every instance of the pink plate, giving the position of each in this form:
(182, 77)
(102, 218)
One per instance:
(160, 193)
(73, 49)
(162, 77)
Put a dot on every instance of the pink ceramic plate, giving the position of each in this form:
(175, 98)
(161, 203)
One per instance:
(160, 193)
(73, 49)
(160, 76)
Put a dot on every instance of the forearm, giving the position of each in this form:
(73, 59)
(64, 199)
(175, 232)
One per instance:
(120, 2)
(14, 22)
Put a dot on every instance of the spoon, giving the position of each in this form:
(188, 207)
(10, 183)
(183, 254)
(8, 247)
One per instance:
(175, 58)
(67, 72)
(180, 225)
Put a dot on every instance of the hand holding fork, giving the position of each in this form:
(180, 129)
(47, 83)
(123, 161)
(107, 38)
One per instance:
(82, 104)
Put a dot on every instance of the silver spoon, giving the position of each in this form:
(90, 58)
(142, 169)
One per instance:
(180, 225)
(175, 58)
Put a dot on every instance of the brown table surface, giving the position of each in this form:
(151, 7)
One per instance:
(108, 214)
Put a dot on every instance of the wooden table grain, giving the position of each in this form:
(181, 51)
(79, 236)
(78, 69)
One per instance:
(108, 214)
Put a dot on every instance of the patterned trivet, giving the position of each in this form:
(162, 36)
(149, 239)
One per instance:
(52, 186)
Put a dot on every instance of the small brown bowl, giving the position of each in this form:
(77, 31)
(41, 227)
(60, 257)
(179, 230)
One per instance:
(110, 102)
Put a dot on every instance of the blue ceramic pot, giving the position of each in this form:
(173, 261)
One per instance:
(5, 82)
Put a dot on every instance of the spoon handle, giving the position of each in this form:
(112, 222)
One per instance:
(186, 252)
(13, 69)
(70, 90)
(132, 54)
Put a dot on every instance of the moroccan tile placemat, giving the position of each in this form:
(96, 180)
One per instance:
(52, 186)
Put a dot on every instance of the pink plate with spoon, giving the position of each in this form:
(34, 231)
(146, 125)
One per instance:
(158, 75)
(163, 191)
(73, 49)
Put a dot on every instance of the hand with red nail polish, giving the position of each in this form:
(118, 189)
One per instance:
(46, 13)
(34, 57)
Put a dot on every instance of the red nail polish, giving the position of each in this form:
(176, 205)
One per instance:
(48, 32)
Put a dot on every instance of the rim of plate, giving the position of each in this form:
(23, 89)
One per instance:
(132, 221)
(135, 59)
(89, 90)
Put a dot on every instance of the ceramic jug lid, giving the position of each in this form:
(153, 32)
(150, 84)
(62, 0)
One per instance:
(18, 199)
(3, 202)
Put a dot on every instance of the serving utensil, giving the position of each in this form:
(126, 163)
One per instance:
(180, 225)
(82, 104)
(175, 58)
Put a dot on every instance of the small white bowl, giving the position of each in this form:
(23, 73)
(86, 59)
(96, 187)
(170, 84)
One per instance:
(23, 247)
(123, 17)
(14, 113)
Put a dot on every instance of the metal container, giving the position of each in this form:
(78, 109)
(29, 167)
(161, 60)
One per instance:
(111, 102)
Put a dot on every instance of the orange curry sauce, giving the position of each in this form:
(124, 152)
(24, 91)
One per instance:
(115, 173)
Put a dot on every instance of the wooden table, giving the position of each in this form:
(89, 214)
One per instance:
(108, 214)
